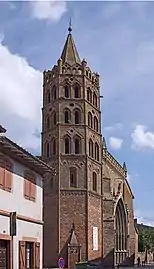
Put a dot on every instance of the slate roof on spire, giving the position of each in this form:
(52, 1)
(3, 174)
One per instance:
(70, 54)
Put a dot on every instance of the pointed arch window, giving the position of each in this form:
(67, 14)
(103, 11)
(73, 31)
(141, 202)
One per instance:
(67, 115)
(77, 91)
(96, 152)
(90, 121)
(53, 146)
(77, 115)
(73, 177)
(67, 142)
(94, 181)
(48, 97)
(47, 149)
(67, 91)
(48, 122)
(54, 93)
(77, 142)
(95, 124)
(94, 99)
(89, 95)
(54, 118)
(90, 148)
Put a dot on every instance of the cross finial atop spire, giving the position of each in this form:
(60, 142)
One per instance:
(70, 26)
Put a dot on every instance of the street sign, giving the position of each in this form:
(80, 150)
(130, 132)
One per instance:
(61, 262)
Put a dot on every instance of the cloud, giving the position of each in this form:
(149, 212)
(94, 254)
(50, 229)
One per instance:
(117, 126)
(141, 138)
(48, 10)
(115, 143)
(146, 220)
(20, 98)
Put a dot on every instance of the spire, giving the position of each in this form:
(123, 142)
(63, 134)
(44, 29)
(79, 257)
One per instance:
(69, 54)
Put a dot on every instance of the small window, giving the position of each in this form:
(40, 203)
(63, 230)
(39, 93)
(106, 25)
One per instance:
(30, 186)
(48, 97)
(47, 149)
(90, 148)
(77, 116)
(67, 116)
(94, 99)
(73, 177)
(96, 152)
(29, 255)
(53, 144)
(89, 95)
(95, 124)
(67, 145)
(77, 91)
(77, 145)
(67, 91)
(48, 123)
(94, 182)
(54, 118)
(90, 121)
(54, 94)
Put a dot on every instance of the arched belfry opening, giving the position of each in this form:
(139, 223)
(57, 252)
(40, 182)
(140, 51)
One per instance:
(121, 236)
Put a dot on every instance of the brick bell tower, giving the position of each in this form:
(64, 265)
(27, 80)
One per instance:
(71, 143)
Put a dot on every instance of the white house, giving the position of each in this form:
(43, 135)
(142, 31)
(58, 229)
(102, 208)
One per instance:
(21, 206)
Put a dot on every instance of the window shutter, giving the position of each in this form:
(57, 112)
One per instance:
(8, 176)
(1, 174)
(26, 188)
(37, 255)
(22, 255)
(32, 191)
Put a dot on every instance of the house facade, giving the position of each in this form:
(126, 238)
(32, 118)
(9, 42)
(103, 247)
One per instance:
(21, 205)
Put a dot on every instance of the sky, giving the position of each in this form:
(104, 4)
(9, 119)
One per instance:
(117, 40)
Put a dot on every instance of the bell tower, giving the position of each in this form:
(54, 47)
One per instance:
(71, 143)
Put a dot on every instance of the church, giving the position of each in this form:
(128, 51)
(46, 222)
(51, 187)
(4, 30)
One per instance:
(88, 203)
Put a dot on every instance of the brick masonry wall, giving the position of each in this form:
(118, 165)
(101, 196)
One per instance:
(94, 220)
(73, 209)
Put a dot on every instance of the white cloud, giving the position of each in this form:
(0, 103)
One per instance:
(115, 143)
(48, 10)
(141, 138)
(146, 219)
(20, 98)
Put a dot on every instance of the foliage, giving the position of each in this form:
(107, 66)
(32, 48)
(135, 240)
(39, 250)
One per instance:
(146, 237)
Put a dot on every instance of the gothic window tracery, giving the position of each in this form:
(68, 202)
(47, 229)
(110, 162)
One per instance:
(54, 93)
(67, 91)
(94, 181)
(90, 120)
(48, 122)
(54, 118)
(90, 148)
(53, 146)
(95, 124)
(73, 177)
(89, 95)
(47, 149)
(48, 97)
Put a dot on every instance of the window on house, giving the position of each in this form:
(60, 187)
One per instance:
(95, 124)
(90, 120)
(29, 255)
(47, 149)
(77, 92)
(73, 177)
(30, 186)
(77, 145)
(94, 181)
(90, 148)
(94, 99)
(48, 123)
(77, 116)
(6, 174)
(67, 115)
(96, 152)
(67, 145)
(54, 118)
(66, 91)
